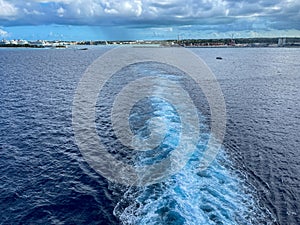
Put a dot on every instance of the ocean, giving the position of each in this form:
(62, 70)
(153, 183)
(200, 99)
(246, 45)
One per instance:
(254, 178)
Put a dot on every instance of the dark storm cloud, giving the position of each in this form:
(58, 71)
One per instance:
(219, 14)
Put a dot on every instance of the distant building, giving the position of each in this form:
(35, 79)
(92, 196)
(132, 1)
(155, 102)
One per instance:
(281, 42)
(22, 42)
(4, 42)
(13, 42)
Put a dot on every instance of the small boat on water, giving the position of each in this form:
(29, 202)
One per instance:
(60, 46)
(83, 49)
(219, 58)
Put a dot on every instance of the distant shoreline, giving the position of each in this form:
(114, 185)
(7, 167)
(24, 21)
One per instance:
(28, 46)
(141, 46)
(188, 43)
(20, 46)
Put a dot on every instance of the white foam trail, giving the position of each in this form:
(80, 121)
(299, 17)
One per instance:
(217, 195)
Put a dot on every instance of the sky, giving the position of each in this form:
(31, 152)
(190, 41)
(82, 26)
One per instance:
(147, 19)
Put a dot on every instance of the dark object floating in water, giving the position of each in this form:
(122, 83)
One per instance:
(220, 58)
(60, 46)
(83, 49)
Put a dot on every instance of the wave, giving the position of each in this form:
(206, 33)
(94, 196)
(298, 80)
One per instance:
(217, 195)
(220, 194)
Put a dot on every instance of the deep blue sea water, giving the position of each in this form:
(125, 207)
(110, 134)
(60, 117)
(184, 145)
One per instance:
(254, 179)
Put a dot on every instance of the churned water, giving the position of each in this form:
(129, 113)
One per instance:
(253, 180)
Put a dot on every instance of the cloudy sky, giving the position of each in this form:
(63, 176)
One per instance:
(147, 19)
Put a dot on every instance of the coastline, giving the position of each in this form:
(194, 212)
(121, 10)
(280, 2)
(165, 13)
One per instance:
(291, 42)
(77, 47)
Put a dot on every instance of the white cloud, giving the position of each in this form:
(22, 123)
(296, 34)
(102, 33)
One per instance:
(7, 9)
(3, 33)
(33, 12)
(60, 12)
(57, 1)
(123, 8)
(221, 15)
